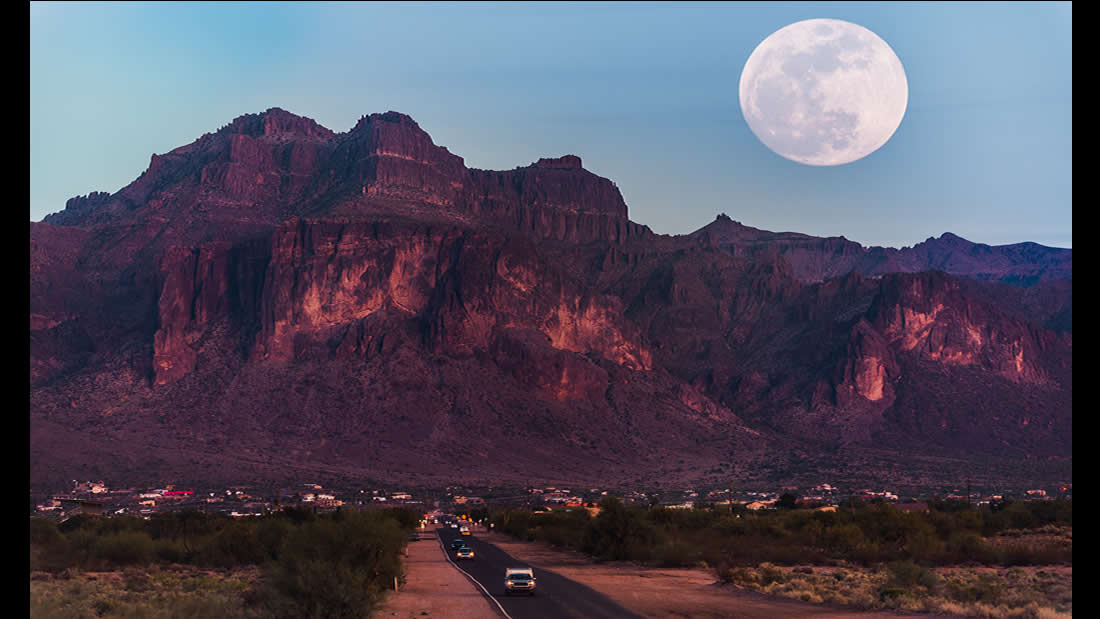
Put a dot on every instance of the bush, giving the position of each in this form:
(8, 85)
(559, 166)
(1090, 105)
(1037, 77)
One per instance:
(619, 533)
(234, 545)
(907, 574)
(169, 551)
(49, 550)
(769, 573)
(675, 553)
(336, 567)
(124, 548)
(515, 522)
(269, 534)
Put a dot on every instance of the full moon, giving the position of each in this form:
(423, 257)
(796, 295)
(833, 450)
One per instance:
(823, 92)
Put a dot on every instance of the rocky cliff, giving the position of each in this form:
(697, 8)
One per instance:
(276, 296)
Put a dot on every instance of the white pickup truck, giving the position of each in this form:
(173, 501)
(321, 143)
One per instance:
(519, 579)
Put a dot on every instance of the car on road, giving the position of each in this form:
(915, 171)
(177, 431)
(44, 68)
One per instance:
(465, 553)
(457, 543)
(519, 580)
(464, 530)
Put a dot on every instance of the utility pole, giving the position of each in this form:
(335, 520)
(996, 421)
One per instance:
(731, 496)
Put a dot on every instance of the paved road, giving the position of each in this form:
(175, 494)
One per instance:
(555, 596)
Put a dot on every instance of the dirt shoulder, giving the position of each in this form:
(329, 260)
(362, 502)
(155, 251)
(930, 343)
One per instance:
(664, 593)
(434, 589)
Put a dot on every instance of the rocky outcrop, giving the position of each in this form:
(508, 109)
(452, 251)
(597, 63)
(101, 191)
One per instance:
(325, 278)
(929, 315)
(556, 199)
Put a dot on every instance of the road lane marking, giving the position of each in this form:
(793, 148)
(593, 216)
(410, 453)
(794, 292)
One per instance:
(468, 575)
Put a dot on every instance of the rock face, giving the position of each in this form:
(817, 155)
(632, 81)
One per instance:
(360, 302)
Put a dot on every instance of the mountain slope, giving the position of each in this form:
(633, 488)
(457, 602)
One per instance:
(277, 297)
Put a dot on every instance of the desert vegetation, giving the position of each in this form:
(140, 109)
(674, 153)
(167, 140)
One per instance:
(294, 563)
(1002, 560)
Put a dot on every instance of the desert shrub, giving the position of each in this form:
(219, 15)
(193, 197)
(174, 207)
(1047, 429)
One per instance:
(1022, 554)
(298, 515)
(677, 553)
(968, 546)
(845, 538)
(269, 534)
(119, 523)
(563, 528)
(742, 576)
(169, 551)
(684, 519)
(191, 528)
(787, 501)
(515, 522)
(922, 544)
(49, 550)
(405, 517)
(81, 543)
(335, 567)
(124, 548)
(234, 545)
(619, 533)
(730, 526)
(984, 590)
(907, 574)
(769, 573)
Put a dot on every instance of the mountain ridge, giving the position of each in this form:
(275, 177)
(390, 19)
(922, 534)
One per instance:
(275, 284)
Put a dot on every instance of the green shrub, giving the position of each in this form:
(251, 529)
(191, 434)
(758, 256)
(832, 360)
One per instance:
(514, 522)
(907, 574)
(619, 533)
(169, 551)
(676, 553)
(124, 548)
(234, 545)
(269, 534)
(769, 573)
(49, 550)
(332, 567)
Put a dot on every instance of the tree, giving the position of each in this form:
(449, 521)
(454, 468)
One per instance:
(787, 501)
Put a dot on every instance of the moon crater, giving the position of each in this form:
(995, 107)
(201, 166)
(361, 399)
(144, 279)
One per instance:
(823, 92)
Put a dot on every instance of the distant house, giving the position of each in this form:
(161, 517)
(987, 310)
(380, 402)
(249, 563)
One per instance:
(93, 487)
(755, 505)
(1036, 492)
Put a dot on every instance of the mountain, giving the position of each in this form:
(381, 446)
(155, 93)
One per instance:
(277, 300)
(816, 259)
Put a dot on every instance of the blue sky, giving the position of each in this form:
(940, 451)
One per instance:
(645, 94)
